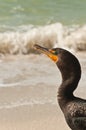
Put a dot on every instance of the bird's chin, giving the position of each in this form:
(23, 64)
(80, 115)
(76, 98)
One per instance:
(47, 52)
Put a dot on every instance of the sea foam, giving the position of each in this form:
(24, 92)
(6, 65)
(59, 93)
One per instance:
(52, 35)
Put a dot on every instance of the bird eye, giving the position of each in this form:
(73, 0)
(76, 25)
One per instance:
(54, 52)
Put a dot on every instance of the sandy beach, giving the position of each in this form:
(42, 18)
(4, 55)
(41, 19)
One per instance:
(29, 81)
(28, 93)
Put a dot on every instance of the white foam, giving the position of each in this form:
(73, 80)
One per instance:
(53, 35)
(9, 85)
(26, 103)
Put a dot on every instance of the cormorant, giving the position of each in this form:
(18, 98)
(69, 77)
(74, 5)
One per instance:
(73, 108)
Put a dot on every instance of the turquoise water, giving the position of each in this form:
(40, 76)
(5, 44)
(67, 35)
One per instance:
(41, 12)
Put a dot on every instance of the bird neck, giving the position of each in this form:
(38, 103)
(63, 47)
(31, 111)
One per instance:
(66, 89)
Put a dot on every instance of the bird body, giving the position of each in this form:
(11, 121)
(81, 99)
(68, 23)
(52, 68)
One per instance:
(73, 108)
(75, 115)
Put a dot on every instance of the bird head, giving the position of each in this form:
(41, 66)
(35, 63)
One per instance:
(52, 53)
(67, 63)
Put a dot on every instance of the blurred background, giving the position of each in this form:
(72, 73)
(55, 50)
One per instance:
(29, 81)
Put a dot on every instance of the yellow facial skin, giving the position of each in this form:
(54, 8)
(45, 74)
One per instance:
(49, 52)
(53, 56)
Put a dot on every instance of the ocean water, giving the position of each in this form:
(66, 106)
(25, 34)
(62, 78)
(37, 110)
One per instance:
(29, 82)
(58, 23)
(33, 80)
(40, 12)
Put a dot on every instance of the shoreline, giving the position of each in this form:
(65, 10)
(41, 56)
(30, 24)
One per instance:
(32, 104)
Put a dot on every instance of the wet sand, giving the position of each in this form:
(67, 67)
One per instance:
(28, 98)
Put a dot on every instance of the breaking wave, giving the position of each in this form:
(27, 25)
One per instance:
(22, 39)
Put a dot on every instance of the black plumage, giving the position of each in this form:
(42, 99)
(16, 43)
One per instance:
(74, 108)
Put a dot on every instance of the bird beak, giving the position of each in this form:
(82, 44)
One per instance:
(48, 52)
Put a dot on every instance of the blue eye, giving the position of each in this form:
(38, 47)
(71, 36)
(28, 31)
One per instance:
(55, 52)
